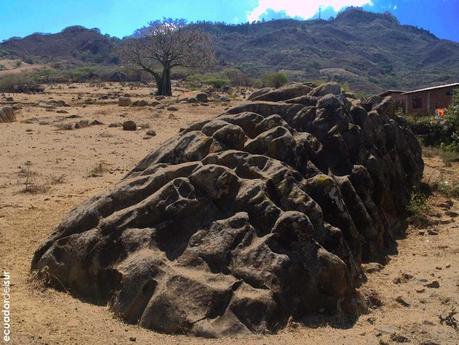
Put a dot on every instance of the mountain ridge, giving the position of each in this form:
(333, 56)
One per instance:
(369, 51)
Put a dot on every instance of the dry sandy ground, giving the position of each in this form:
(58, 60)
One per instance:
(17, 66)
(58, 166)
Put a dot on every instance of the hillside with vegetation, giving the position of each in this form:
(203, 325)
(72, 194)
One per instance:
(73, 44)
(368, 51)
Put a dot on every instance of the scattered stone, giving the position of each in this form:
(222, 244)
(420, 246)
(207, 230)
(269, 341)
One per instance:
(402, 301)
(124, 101)
(132, 339)
(73, 117)
(7, 115)
(172, 108)
(432, 232)
(448, 204)
(224, 99)
(420, 289)
(140, 103)
(448, 318)
(129, 126)
(433, 285)
(398, 338)
(386, 329)
(202, 97)
(373, 300)
(151, 133)
(64, 126)
(82, 124)
(403, 278)
(96, 123)
(372, 267)
(452, 214)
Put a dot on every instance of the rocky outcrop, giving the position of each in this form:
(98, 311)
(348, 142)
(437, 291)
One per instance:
(241, 222)
(286, 92)
(7, 115)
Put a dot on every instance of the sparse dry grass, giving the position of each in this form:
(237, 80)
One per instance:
(98, 170)
(32, 183)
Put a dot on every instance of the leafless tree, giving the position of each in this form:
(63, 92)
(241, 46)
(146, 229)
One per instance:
(165, 44)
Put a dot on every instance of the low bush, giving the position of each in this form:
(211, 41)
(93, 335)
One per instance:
(274, 79)
(418, 209)
(217, 80)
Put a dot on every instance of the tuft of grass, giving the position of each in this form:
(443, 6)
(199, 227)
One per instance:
(447, 188)
(99, 170)
(31, 182)
(418, 209)
(57, 179)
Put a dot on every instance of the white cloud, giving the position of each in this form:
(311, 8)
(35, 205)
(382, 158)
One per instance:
(301, 8)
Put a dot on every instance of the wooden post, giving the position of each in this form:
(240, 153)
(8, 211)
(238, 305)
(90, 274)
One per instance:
(428, 103)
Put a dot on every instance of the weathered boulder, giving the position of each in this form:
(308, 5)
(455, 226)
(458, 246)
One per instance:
(202, 97)
(259, 92)
(124, 101)
(140, 103)
(286, 92)
(244, 221)
(129, 125)
(7, 115)
(325, 89)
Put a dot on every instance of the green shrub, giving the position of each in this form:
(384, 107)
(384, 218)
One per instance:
(452, 122)
(275, 79)
(237, 77)
(216, 80)
(9, 82)
(449, 189)
(418, 209)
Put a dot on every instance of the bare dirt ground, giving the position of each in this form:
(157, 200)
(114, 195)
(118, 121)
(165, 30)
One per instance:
(46, 170)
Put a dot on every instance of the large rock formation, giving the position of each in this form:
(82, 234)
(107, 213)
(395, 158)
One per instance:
(241, 222)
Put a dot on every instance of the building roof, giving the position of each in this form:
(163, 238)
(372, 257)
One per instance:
(433, 88)
(382, 94)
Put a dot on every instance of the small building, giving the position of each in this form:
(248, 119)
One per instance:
(391, 93)
(427, 101)
(397, 97)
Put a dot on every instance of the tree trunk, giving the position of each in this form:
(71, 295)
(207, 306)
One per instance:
(163, 82)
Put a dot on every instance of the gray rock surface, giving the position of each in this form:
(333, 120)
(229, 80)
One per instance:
(241, 222)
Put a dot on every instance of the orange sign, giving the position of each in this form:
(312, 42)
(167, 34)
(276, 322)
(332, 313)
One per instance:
(440, 112)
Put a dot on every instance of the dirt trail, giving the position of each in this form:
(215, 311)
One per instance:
(409, 294)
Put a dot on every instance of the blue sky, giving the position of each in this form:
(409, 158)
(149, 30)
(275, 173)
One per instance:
(122, 17)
